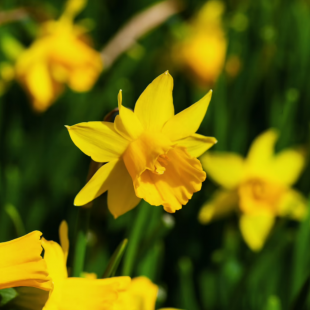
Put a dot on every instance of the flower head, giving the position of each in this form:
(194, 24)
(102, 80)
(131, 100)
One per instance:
(21, 263)
(77, 293)
(260, 186)
(59, 56)
(203, 50)
(150, 152)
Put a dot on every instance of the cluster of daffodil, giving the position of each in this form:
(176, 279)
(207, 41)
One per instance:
(149, 153)
(61, 54)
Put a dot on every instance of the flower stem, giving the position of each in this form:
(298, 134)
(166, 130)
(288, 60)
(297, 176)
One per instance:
(82, 229)
(135, 238)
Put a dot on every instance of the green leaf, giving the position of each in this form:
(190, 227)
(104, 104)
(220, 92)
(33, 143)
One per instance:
(7, 295)
(115, 259)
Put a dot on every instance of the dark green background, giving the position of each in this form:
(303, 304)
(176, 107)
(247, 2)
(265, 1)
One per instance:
(200, 267)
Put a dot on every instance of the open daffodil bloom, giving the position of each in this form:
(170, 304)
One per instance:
(60, 55)
(77, 293)
(21, 263)
(150, 153)
(260, 186)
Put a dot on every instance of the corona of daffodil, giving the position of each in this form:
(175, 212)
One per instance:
(21, 263)
(259, 187)
(150, 153)
(77, 293)
(203, 51)
(59, 56)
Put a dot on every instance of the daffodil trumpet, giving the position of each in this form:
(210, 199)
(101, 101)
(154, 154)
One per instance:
(21, 263)
(149, 153)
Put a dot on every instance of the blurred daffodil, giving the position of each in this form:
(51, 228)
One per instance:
(151, 152)
(260, 186)
(21, 263)
(203, 49)
(77, 293)
(59, 56)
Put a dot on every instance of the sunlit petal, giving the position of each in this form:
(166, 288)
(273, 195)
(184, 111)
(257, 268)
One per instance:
(188, 121)
(155, 105)
(221, 204)
(293, 204)
(127, 123)
(96, 186)
(226, 169)
(121, 195)
(255, 229)
(21, 263)
(197, 144)
(98, 140)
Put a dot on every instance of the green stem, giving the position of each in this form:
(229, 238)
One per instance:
(81, 241)
(135, 238)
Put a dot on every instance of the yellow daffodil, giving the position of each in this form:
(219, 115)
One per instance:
(203, 51)
(260, 186)
(150, 153)
(77, 293)
(21, 263)
(60, 55)
(140, 295)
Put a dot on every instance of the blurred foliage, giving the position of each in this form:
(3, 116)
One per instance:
(198, 267)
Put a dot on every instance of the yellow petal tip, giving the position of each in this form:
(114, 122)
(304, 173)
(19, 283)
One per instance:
(167, 72)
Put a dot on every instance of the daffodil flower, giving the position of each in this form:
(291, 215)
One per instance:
(59, 56)
(259, 186)
(150, 153)
(21, 263)
(203, 50)
(77, 293)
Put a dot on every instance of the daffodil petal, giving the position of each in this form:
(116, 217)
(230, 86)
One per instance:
(96, 186)
(262, 150)
(98, 140)
(40, 85)
(127, 123)
(224, 168)
(144, 293)
(221, 204)
(155, 105)
(187, 121)
(287, 166)
(172, 189)
(21, 263)
(255, 229)
(293, 204)
(55, 260)
(121, 193)
(64, 240)
(197, 144)
(81, 294)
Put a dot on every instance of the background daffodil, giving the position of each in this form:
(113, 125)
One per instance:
(150, 152)
(77, 293)
(21, 263)
(59, 56)
(203, 51)
(260, 186)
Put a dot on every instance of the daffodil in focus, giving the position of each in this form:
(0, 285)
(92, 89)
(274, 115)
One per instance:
(150, 153)
(21, 263)
(77, 293)
(59, 56)
(258, 186)
(203, 50)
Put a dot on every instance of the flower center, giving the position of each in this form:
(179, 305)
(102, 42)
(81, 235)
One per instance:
(257, 194)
